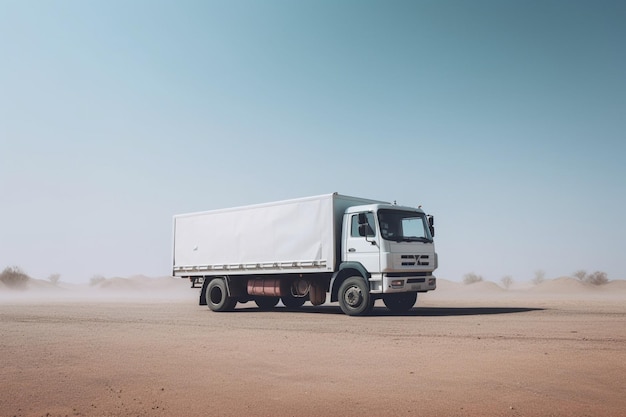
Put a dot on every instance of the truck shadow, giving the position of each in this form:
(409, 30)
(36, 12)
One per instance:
(414, 312)
(454, 311)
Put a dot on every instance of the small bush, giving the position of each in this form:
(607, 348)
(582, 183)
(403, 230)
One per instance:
(14, 277)
(471, 278)
(96, 279)
(597, 278)
(507, 281)
(540, 276)
(54, 278)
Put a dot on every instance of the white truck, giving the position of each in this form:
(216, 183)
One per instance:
(353, 250)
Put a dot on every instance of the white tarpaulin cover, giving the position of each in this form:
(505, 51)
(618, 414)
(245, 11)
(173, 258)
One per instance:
(262, 238)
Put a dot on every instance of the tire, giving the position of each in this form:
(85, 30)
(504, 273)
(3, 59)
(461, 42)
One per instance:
(317, 295)
(266, 303)
(217, 296)
(400, 302)
(355, 298)
(293, 302)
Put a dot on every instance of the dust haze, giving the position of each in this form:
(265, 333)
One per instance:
(142, 346)
(135, 288)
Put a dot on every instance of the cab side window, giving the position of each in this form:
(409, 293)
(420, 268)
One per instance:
(354, 229)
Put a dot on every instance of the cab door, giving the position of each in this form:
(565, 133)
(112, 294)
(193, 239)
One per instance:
(362, 241)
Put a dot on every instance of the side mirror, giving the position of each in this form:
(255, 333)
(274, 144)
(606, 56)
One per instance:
(431, 225)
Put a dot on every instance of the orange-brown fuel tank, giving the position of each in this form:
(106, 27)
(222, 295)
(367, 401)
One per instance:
(266, 286)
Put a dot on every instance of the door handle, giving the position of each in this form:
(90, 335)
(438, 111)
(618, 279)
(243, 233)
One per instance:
(351, 250)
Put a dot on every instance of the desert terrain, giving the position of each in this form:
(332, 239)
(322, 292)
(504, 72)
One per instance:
(143, 347)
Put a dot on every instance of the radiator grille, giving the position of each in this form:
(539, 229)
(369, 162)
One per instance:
(414, 260)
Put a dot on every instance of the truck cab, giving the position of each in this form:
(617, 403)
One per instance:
(394, 244)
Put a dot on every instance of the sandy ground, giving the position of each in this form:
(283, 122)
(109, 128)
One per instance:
(558, 349)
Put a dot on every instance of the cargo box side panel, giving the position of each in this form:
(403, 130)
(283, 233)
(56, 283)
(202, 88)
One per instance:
(258, 239)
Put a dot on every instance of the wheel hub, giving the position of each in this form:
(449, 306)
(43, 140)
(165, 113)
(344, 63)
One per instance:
(353, 297)
(216, 295)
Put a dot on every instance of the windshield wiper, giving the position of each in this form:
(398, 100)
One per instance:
(414, 239)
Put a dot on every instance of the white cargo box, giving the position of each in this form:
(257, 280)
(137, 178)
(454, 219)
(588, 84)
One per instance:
(301, 235)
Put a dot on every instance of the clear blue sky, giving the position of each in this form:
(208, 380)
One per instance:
(504, 119)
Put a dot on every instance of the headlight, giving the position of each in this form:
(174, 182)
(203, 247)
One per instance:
(397, 283)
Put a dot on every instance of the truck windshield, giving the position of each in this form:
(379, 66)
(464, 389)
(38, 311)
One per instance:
(404, 226)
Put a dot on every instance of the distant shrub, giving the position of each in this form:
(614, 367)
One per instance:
(597, 278)
(471, 278)
(54, 278)
(14, 277)
(507, 280)
(96, 279)
(540, 276)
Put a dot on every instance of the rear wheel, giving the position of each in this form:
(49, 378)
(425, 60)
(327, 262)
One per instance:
(217, 296)
(354, 297)
(293, 302)
(266, 303)
(400, 302)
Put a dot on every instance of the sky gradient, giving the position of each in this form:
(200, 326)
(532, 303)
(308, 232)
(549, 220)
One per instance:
(506, 120)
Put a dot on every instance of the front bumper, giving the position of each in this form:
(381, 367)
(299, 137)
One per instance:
(392, 283)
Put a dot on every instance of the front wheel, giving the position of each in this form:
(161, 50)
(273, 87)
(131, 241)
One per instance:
(355, 298)
(217, 296)
(400, 302)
